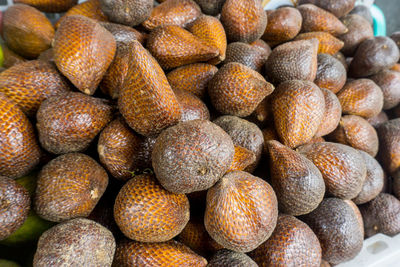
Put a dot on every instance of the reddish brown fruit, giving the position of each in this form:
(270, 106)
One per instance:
(127, 12)
(49, 6)
(333, 113)
(192, 108)
(292, 243)
(378, 119)
(298, 108)
(328, 44)
(247, 55)
(238, 90)
(260, 44)
(29, 83)
(389, 145)
(317, 140)
(389, 82)
(225, 257)
(68, 187)
(269, 134)
(210, 7)
(325, 264)
(242, 159)
(359, 29)
(331, 74)
(262, 115)
(10, 58)
(240, 196)
(124, 34)
(339, 8)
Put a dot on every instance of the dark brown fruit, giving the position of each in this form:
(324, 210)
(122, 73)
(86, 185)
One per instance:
(296, 60)
(241, 197)
(361, 97)
(395, 184)
(260, 44)
(243, 20)
(192, 108)
(389, 82)
(396, 37)
(26, 30)
(297, 182)
(363, 11)
(83, 50)
(78, 242)
(127, 12)
(47, 56)
(10, 58)
(328, 44)
(192, 156)
(333, 113)
(269, 134)
(262, 115)
(242, 159)
(225, 257)
(14, 206)
(124, 34)
(378, 119)
(292, 243)
(247, 55)
(49, 6)
(342, 167)
(20, 151)
(339, 56)
(359, 30)
(31, 82)
(210, 7)
(298, 108)
(331, 74)
(171, 253)
(69, 122)
(389, 145)
(339, 8)
(374, 55)
(68, 187)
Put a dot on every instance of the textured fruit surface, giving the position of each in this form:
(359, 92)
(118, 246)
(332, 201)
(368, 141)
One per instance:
(192, 108)
(243, 20)
(146, 212)
(237, 90)
(124, 34)
(50, 6)
(337, 226)
(69, 187)
(361, 97)
(262, 115)
(83, 50)
(78, 242)
(297, 182)
(378, 119)
(359, 29)
(171, 253)
(10, 58)
(225, 257)
(328, 44)
(389, 144)
(242, 159)
(26, 31)
(342, 167)
(292, 243)
(389, 82)
(14, 206)
(19, 152)
(210, 7)
(333, 112)
(127, 12)
(192, 156)
(241, 197)
(31, 82)
(331, 74)
(247, 55)
(296, 60)
(298, 108)
(338, 7)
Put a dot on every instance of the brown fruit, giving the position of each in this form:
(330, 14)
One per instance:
(339, 8)
(146, 212)
(333, 113)
(374, 180)
(241, 197)
(171, 253)
(68, 187)
(389, 145)
(78, 242)
(269, 134)
(146, 99)
(237, 90)
(69, 122)
(359, 30)
(20, 151)
(127, 12)
(242, 159)
(374, 55)
(342, 167)
(243, 20)
(292, 243)
(31, 82)
(26, 30)
(331, 74)
(83, 51)
(10, 58)
(192, 108)
(262, 45)
(262, 115)
(339, 56)
(47, 56)
(337, 226)
(247, 55)
(124, 34)
(192, 156)
(14, 206)
(283, 25)
(298, 184)
(296, 60)
(328, 44)
(363, 11)
(225, 257)
(210, 7)
(395, 184)
(356, 132)
(316, 19)
(49, 6)
(325, 264)
(298, 108)
(193, 78)
(389, 82)
(378, 119)
(172, 12)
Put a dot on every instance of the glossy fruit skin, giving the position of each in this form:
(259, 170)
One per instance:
(226, 205)
(192, 108)
(389, 140)
(359, 29)
(124, 34)
(14, 206)
(69, 122)
(389, 82)
(339, 7)
(127, 12)
(328, 44)
(292, 243)
(247, 55)
(49, 6)
(78, 242)
(331, 74)
(211, 7)
(192, 156)
(20, 151)
(225, 257)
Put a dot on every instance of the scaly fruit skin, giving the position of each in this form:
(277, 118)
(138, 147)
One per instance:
(69, 122)
(242, 159)
(292, 243)
(14, 206)
(210, 7)
(333, 112)
(339, 8)
(241, 197)
(389, 149)
(171, 253)
(243, 20)
(127, 12)
(389, 82)
(146, 212)
(49, 6)
(328, 44)
(146, 99)
(331, 74)
(26, 30)
(359, 30)
(68, 187)
(31, 82)
(192, 108)
(247, 55)
(342, 167)
(10, 57)
(382, 117)
(77, 242)
(83, 51)
(298, 108)
(225, 257)
(192, 156)
(20, 151)
(124, 34)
